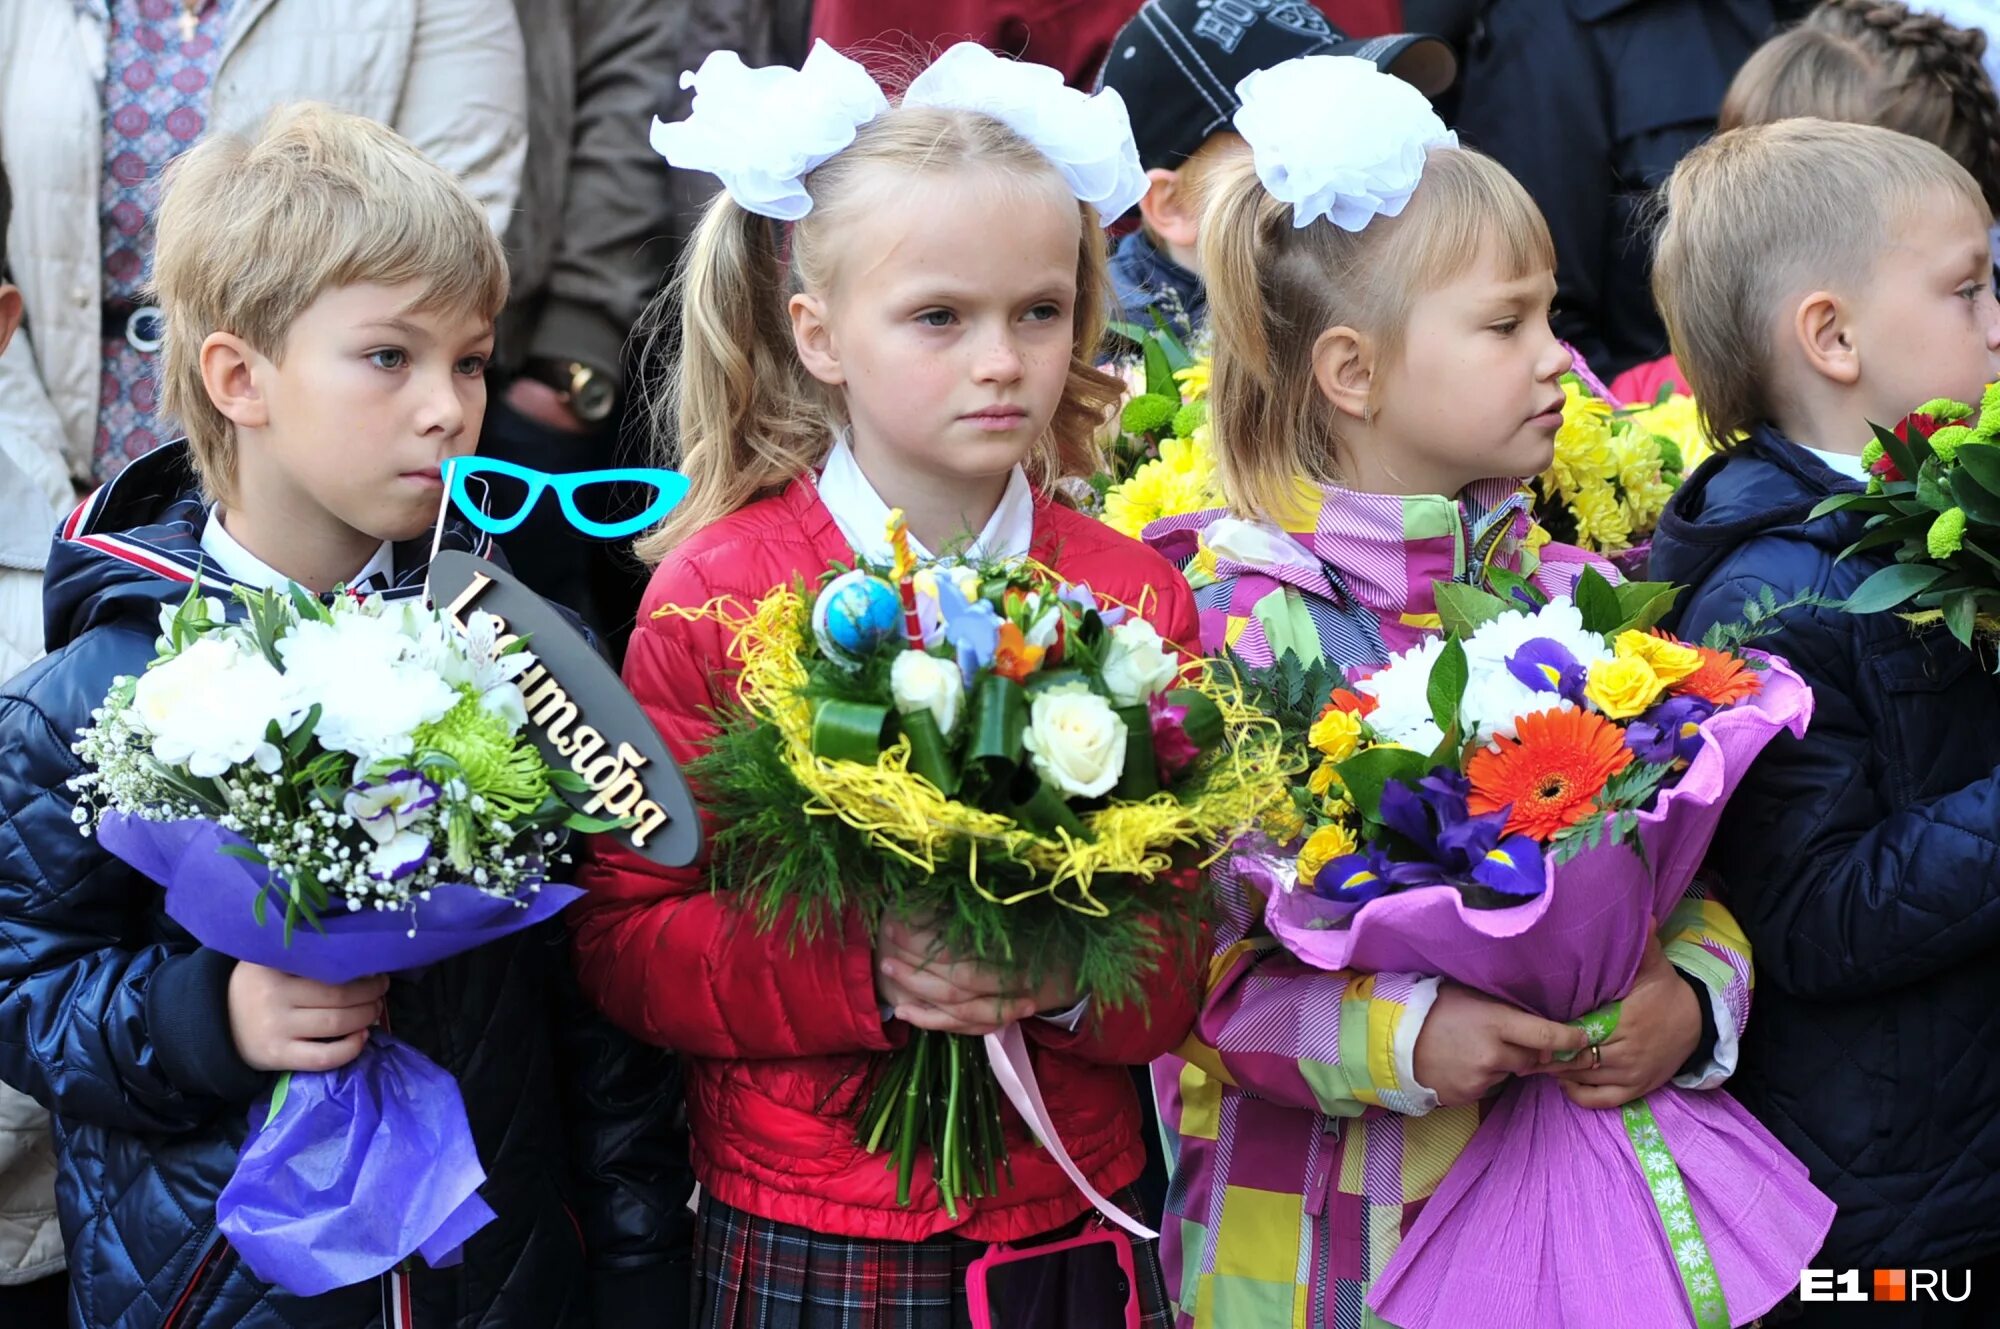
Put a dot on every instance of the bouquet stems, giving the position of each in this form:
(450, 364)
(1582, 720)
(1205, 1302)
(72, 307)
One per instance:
(937, 1095)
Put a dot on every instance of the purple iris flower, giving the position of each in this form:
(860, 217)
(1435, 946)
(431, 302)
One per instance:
(1080, 595)
(1670, 731)
(1450, 846)
(972, 627)
(1546, 665)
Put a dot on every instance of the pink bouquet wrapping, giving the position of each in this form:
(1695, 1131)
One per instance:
(1677, 1209)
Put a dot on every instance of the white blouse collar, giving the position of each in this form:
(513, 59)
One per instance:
(863, 518)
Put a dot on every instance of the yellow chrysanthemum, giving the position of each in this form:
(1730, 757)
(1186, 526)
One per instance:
(1671, 660)
(1676, 419)
(1322, 847)
(1583, 443)
(1623, 687)
(1601, 522)
(1283, 823)
(1637, 457)
(1337, 733)
(1644, 505)
(1180, 481)
(1194, 380)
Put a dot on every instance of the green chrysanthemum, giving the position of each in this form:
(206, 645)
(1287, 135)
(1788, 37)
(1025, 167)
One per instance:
(1190, 418)
(1947, 533)
(1148, 413)
(1944, 408)
(1947, 441)
(1871, 452)
(499, 767)
(1989, 412)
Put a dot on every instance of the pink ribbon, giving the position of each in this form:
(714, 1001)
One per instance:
(1008, 1051)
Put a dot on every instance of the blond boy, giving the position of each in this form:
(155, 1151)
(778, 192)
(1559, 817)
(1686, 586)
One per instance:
(329, 297)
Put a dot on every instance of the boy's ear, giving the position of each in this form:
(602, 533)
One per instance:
(10, 313)
(1343, 363)
(1168, 210)
(1820, 327)
(228, 374)
(812, 334)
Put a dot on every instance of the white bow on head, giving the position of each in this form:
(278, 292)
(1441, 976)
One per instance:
(1337, 138)
(762, 131)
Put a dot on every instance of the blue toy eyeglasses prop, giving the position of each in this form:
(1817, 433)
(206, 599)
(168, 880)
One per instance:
(669, 487)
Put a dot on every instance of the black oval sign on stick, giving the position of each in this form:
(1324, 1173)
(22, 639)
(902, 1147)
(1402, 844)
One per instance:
(579, 713)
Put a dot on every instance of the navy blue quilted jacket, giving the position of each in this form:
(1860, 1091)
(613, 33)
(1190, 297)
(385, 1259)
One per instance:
(1864, 863)
(116, 1020)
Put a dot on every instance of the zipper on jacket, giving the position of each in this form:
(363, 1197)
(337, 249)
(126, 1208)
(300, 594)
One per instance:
(210, 1272)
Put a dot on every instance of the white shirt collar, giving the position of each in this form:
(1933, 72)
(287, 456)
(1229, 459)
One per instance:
(240, 565)
(1841, 463)
(863, 518)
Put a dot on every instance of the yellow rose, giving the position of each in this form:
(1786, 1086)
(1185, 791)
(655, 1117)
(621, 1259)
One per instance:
(1336, 733)
(1670, 660)
(1321, 780)
(1322, 847)
(1623, 687)
(1601, 523)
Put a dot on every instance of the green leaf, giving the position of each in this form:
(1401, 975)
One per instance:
(1464, 609)
(1891, 531)
(1177, 353)
(594, 825)
(1131, 332)
(1648, 612)
(1838, 503)
(1366, 772)
(1981, 503)
(302, 736)
(1907, 460)
(1597, 602)
(1449, 676)
(279, 1093)
(1961, 613)
(1512, 587)
(1981, 461)
(1160, 374)
(1891, 587)
(246, 853)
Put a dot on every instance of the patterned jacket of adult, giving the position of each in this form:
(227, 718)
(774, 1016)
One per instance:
(1864, 863)
(117, 1021)
(776, 1033)
(446, 74)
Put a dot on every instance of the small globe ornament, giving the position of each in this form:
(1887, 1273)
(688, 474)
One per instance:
(856, 613)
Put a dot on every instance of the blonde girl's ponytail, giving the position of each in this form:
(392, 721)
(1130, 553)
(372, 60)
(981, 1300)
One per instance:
(734, 410)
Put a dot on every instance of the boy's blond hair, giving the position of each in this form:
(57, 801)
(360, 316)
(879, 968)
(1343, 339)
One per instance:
(1273, 288)
(251, 231)
(1764, 214)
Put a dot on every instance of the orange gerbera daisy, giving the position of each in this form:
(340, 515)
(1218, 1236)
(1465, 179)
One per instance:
(1722, 680)
(1352, 702)
(1551, 774)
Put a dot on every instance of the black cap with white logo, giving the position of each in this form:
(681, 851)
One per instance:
(1177, 64)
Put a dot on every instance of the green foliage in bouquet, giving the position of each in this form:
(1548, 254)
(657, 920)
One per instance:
(1933, 499)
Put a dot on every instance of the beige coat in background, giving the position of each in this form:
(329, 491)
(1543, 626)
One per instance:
(449, 75)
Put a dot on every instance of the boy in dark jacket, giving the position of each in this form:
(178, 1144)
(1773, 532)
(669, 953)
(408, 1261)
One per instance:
(1177, 64)
(329, 298)
(1816, 277)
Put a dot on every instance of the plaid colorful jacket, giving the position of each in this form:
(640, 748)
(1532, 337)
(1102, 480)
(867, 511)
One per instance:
(1305, 1146)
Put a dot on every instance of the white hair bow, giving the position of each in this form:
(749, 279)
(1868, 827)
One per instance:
(1088, 138)
(762, 131)
(1337, 138)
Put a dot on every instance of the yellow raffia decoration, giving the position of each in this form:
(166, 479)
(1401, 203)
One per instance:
(906, 815)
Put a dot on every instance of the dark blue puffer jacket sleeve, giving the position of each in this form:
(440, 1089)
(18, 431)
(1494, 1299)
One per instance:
(1842, 900)
(134, 1038)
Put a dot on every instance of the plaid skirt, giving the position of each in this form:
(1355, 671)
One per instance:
(754, 1273)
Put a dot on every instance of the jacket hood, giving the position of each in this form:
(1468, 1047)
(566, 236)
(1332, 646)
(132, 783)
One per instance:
(135, 544)
(1765, 485)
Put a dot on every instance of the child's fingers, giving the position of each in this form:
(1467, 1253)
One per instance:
(328, 1056)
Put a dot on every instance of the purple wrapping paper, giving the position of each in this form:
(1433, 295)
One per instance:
(1545, 1219)
(362, 1166)
(372, 1163)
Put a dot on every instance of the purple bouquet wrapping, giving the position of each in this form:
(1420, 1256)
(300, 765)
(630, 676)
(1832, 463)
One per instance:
(1678, 1210)
(345, 1173)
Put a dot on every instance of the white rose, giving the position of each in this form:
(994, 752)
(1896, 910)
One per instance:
(1076, 740)
(211, 707)
(1138, 664)
(1044, 622)
(922, 682)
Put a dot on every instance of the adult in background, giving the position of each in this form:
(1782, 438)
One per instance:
(97, 96)
(1071, 35)
(1590, 103)
(586, 248)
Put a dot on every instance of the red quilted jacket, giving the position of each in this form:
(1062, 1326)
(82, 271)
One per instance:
(775, 1033)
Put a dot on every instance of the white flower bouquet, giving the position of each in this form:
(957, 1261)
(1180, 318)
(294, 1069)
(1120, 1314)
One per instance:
(363, 768)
